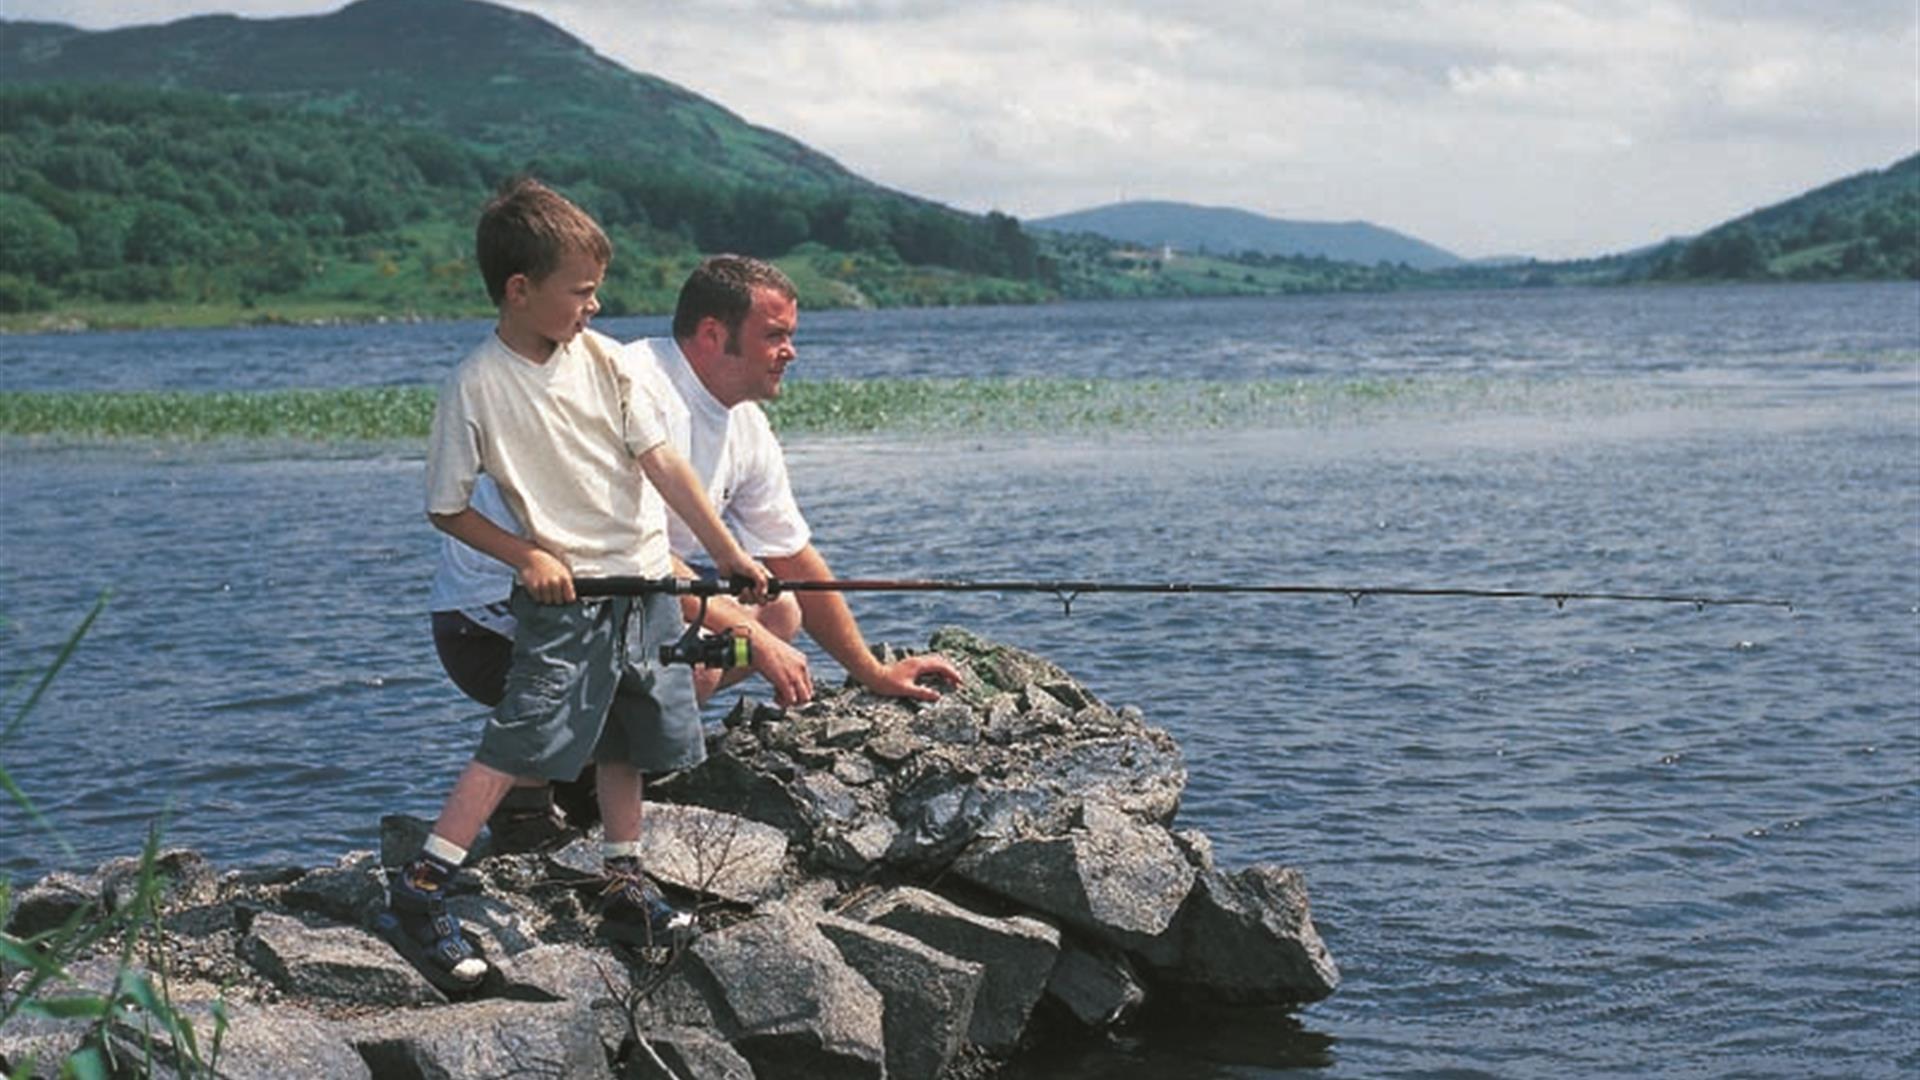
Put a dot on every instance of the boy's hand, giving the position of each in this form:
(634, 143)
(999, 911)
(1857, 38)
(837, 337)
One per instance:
(547, 578)
(744, 569)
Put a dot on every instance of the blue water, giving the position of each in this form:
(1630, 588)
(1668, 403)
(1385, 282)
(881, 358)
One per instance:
(1600, 841)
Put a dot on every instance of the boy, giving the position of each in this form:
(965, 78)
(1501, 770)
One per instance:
(550, 412)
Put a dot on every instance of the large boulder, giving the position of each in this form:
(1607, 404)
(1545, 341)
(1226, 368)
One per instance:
(1111, 876)
(1016, 955)
(788, 1001)
(1248, 938)
(928, 995)
(486, 1038)
(333, 963)
(258, 1043)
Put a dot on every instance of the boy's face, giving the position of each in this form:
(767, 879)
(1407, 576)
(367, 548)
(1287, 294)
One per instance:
(558, 306)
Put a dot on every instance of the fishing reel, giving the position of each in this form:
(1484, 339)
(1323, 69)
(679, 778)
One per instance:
(723, 650)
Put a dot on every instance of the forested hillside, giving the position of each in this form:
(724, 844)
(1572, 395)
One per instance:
(1866, 226)
(120, 195)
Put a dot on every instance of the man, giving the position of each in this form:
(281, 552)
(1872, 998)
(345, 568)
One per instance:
(732, 340)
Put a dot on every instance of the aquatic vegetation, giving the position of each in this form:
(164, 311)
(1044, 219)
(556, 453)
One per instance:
(823, 407)
(356, 414)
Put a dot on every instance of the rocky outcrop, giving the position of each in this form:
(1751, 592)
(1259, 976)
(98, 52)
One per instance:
(887, 889)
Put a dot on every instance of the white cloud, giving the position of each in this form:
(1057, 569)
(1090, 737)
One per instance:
(1554, 127)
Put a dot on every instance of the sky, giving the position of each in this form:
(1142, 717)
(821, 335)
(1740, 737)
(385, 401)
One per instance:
(1550, 128)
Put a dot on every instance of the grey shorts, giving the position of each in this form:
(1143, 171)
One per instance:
(586, 683)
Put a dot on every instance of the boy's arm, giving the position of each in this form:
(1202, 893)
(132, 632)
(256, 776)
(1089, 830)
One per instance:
(545, 577)
(680, 486)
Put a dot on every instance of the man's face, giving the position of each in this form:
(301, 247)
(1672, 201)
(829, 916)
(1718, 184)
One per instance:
(763, 346)
(558, 306)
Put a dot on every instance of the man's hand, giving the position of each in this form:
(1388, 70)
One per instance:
(783, 666)
(546, 578)
(902, 678)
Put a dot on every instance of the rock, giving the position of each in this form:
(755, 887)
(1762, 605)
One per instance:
(929, 995)
(1020, 790)
(1100, 989)
(986, 761)
(856, 850)
(344, 892)
(486, 1038)
(712, 853)
(562, 972)
(1248, 938)
(792, 1006)
(259, 1043)
(43, 1041)
(1017, 956)
(182, 877)
(1112, 877)
(335, 963)
(48, 903)
(685, 1053)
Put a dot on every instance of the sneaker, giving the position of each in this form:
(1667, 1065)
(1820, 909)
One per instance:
(417, 924)
(632, 912)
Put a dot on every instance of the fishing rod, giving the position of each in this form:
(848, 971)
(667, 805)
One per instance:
(723, 651)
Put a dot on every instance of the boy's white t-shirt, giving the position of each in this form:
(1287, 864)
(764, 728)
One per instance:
(732, 451)
(562, 440)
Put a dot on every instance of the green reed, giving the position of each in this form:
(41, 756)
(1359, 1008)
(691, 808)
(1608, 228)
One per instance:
(825, 407)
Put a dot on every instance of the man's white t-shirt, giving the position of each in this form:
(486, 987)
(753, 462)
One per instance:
(732, 451)
(561, 440)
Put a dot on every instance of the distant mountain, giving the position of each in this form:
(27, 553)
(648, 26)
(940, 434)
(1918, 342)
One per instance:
(1226, 231)
(499, 78)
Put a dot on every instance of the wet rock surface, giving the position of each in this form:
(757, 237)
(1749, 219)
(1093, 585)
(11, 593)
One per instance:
(886, 889)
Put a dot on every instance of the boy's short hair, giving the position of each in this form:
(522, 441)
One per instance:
(527, 228)
(721, 287)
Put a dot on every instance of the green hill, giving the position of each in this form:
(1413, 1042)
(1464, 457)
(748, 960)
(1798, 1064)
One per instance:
(167, 165)
(500, 79)
(1865, 226)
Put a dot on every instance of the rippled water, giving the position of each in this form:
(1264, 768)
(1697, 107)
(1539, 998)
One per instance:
(1599, 841)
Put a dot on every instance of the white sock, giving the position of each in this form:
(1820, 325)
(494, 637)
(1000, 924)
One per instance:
(444, 850)
(624, 849)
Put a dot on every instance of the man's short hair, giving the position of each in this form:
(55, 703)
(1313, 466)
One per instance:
(528, 228)
(721, 287)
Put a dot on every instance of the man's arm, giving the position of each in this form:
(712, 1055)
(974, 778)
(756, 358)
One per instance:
(543, 575)
(783, 666)
(829, 621)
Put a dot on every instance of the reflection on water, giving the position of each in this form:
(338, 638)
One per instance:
(1607, 840)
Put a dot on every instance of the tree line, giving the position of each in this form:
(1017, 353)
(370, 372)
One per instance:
(125, 194)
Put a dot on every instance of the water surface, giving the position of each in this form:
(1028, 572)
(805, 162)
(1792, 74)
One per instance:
(1606, 840)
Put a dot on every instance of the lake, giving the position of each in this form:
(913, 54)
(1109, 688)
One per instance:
(1599, 840)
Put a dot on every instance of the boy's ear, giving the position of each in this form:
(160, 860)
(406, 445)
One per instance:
(712, 333)
(516, 288)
